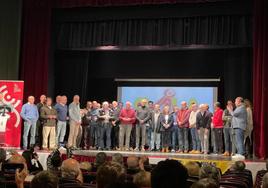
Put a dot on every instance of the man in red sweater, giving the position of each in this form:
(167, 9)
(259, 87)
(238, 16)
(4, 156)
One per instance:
(183, 124)
(127, 118)
(217, 124)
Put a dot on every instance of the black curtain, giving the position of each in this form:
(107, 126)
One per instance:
(91, 74)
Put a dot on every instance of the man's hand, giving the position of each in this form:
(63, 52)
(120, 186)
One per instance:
(20, 177)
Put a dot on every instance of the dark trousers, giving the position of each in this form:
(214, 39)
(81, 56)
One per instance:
(39, 133)
(218, 140)
(115, 136)
(86, 136)
(166, 138)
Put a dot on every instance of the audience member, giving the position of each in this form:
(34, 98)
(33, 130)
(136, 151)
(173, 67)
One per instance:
(54, 162)
(210, 171)
(110, 173)
(265, 181)
(45, 179)
(70, 172)
(132, 165)
(142, 179)
(85, 166)
(169, 173)
(193, 168)
(100, 159)
(32, 161)
(205, 183)
(118, 158)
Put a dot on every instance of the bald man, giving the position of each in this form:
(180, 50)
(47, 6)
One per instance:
(30, 115)
(70, 172)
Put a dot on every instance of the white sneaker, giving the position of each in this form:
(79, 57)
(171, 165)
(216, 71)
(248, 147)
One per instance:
(238, 157)
(173, 151)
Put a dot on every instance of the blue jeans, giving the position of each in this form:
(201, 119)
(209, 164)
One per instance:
(29, 126)
(239, 137)
(105, 130)
(94, 134)
(175, 136)
(61, 130)
(155, 140)
(229, 141)
(195, 139)
(183, 138)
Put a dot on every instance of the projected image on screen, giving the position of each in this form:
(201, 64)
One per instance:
(168, 95)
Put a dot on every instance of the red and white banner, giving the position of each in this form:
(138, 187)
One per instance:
(10, 123)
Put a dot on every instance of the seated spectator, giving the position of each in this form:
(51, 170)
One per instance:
(33, 164)
(132, 165)
(100, 159)
(118, 158)
(3, 155)
(110, 173)
(142, 179)
(70, 173)
(205, 183)
(193, 169)
(169, 173)
(54, 162)
(85, 166)
(144, 164)
(260, 175)
(265, 181)
(45, 179)
(123, 185)
(238, 166)
(210, 171)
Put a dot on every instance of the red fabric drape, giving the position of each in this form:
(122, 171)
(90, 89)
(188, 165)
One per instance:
(35, 46)
(260, 78)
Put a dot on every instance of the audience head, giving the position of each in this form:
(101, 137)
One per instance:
(3, 155)
(70, 169)
(205, 183)
(210, 171)
(109, 173)
(132, 162)
(101, 158)
(86, 166)
(43, 99)
(239, 166)
(142, 179)
(18, 159)
(169, 173)
(239, 101)
(76, 99)
(193, 168)
(31, 99)
(45, 179)
(118, 158)
(265, 181)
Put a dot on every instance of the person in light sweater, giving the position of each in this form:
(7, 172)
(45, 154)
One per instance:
(194, 134)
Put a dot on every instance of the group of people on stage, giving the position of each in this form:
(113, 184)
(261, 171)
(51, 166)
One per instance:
(185, 129)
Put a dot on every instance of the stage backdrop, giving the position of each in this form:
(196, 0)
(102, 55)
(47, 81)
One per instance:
(10, 125)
